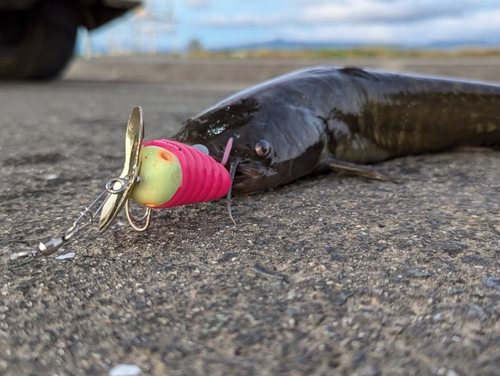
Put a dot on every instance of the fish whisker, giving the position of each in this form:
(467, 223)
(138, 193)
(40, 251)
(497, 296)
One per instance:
(232, 173)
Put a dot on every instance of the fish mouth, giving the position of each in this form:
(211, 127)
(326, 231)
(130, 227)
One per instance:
(246, 175)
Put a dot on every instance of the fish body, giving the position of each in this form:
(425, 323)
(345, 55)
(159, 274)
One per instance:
(342, 119)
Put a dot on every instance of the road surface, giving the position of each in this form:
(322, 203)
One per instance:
(326, 276)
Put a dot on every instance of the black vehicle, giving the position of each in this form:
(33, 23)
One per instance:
(37, 37)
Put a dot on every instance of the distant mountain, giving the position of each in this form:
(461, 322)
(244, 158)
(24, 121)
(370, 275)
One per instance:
(462, 44)
(280, 44)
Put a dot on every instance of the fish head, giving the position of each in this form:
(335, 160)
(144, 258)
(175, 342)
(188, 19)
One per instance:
(255, 154)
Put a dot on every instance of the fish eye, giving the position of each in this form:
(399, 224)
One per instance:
(262, 148)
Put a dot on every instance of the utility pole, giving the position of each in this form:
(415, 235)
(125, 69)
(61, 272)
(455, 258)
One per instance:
(154, 24)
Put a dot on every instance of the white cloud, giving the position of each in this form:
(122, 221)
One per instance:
(377, 11)
(409, 23)
(472, 28)
(317, 12)
(197, 3)
(244, 20)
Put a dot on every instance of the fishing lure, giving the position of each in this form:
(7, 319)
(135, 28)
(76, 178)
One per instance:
(174, 174)
(156, 174)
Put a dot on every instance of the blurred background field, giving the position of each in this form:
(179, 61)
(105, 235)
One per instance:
(344, 53)
(39, 37)
(300, 29)
(180, 40)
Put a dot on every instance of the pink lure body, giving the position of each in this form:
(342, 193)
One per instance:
(203, 178)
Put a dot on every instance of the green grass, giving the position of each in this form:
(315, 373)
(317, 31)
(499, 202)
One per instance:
(354, 53)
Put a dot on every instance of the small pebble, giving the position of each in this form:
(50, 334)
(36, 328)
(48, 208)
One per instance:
(437, 317)
(368, 371)
(492, 281)
(66, 256)
(125, 370)
(415, 273)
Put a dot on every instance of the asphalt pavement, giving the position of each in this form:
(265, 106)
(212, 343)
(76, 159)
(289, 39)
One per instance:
(326, 276)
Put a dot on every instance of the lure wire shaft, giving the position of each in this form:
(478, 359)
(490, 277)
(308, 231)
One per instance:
(51, 246)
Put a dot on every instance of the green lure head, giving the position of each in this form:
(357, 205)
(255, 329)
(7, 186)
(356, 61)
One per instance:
(160, 177)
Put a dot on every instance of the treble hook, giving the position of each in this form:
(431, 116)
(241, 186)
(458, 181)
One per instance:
(51, 246)
(145, 219)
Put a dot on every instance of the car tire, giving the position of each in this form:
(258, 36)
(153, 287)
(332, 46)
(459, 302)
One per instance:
(36, 44)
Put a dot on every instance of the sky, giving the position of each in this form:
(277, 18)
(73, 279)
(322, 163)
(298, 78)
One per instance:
(169, 25)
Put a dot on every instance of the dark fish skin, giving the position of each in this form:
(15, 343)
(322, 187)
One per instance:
(319, 118)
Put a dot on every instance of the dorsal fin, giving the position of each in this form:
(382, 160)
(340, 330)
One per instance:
(359, 73)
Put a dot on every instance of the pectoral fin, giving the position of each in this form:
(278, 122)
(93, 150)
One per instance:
(362, 171)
